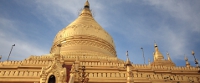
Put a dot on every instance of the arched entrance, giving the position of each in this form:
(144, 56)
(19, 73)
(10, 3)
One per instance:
(52, 79)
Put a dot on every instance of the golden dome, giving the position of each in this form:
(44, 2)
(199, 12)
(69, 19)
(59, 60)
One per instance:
(84, 35)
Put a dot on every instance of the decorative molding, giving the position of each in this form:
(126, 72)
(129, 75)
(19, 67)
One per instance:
(55, 69)
(87, 41)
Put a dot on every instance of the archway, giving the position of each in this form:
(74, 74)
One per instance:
(52, 79)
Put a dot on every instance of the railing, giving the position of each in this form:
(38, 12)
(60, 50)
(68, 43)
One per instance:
(12, 73)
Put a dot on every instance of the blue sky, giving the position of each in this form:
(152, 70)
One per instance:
(173, 24)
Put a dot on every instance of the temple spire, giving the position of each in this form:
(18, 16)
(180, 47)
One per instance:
(87, 5)
(157, 54)
(168, 57)
(186, 61)
(128, 62)
(86, 10)
(155, 45)
(129, 72)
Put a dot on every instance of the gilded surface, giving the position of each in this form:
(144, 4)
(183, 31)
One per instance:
(84, 43)
(87, 29)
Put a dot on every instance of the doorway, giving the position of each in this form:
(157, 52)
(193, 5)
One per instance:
(52, 79)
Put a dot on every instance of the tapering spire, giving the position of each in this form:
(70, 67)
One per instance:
(129, 70)
(159, 59)
(87, 5)
(168, 57)
(193, 52)
(128, 62)
(86, 10)
(127, 53)
(186, 61)
(155, 45)
(157, 54)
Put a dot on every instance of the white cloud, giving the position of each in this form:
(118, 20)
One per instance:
(60, 11)
(171, 37)
(182, 10)
(174, 42)
(178, 36)
(10, 35)
(52, 11)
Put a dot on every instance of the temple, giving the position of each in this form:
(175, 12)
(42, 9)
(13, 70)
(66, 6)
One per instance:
(83, 52)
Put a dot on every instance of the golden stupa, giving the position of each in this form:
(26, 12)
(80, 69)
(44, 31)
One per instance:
(84, 36)
(84, 52)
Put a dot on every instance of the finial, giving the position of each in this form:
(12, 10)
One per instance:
(187, 63)
(128, 62)
(157, 54)
(193, 52)
(186, 59)
(155, 45)
(87, 5)
(168, 57)
(86, 10)
(127, 54)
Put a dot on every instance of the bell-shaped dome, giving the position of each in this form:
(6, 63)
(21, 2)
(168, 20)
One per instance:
(84, 35)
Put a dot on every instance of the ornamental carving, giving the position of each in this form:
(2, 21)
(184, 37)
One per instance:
(89, 41)
(85, 27)
(54, 69)
(66, 32)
